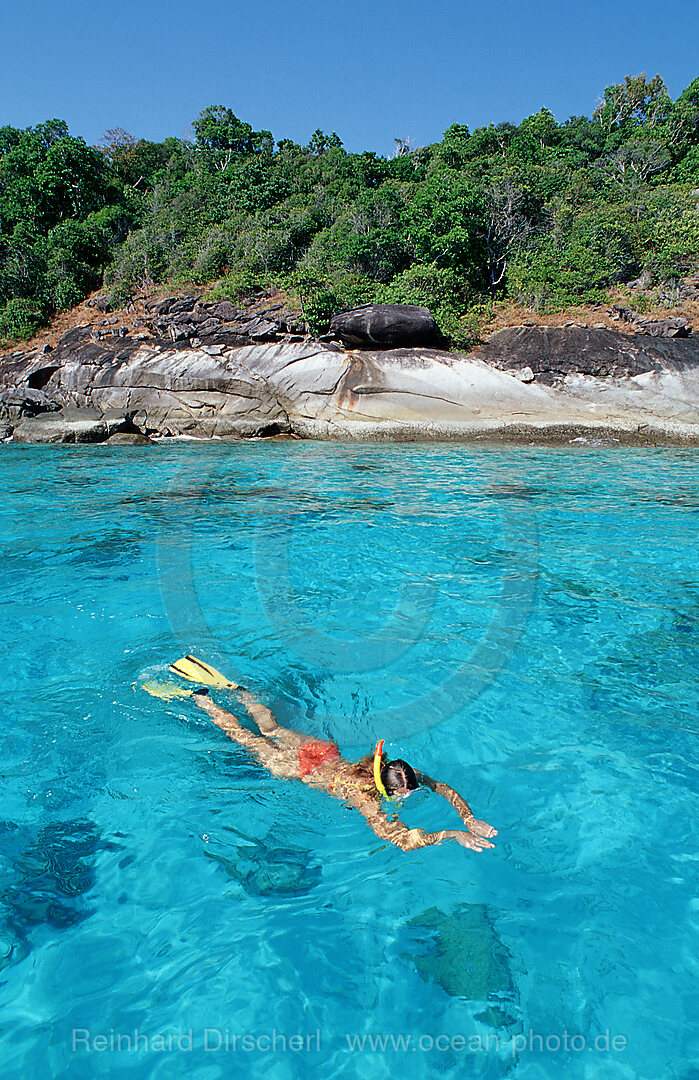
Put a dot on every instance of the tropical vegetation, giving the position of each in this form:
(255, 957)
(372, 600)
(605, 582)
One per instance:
(542, 213)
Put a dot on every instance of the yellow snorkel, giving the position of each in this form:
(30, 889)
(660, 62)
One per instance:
(378, 754)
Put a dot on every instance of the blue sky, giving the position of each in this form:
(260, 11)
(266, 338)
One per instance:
(372, 70)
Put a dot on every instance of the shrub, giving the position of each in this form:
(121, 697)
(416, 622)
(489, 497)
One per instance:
(436, 288)
(19, 319)
(237, 284)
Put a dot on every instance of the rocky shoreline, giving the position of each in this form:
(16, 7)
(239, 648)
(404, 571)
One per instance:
(221, 370)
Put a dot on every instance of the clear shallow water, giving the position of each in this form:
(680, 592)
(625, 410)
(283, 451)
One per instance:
(522, 623)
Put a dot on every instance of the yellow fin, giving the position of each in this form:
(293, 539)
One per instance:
(199, 672)
(165, 690)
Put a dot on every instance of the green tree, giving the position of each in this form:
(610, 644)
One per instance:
(638, 100)
(220, 134)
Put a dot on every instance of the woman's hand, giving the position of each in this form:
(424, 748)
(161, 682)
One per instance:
(468, 840)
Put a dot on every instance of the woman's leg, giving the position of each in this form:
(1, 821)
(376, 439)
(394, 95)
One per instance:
(229, 723)
(267, 723)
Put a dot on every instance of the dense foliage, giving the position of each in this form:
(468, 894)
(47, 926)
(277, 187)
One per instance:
(544, 213)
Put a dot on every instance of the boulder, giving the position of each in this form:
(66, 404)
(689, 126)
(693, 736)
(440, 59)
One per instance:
(69, 425)
(163, 306)
(209, 326)
(185, 304)
(261, 330)
(181, 331)
(386, 326)
(178, 320)
(226, 311)
(128, 438)
(172, 389)
(288, 321)
(673, 326)
(20, 401)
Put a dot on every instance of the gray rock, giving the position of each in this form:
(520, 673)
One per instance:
(584, 383)
(673, 326)
(185, 304)
(557, 351)
(209, 325)
(619, 311)
(69, 425)
(386, 325)
(180, 332)
(128, 438)
(288, 321)
(163, 306)
(226, 311)
(155, 302)
(261, 330)
(16, 402)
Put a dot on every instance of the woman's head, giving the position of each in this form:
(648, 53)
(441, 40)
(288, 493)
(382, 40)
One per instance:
(398, 777)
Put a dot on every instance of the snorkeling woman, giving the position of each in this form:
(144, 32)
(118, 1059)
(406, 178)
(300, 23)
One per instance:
(361, 784)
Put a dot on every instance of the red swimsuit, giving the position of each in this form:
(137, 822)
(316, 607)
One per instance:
(313, 754)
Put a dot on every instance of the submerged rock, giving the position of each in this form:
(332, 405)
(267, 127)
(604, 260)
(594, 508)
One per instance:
(467, 959)
(47, 880)
(265, 869)
(282, 872)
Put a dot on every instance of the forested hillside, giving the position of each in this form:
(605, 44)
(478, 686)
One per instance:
(543, 213)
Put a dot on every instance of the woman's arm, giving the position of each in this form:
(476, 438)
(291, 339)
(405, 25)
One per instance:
(411, 839)
(479, 828)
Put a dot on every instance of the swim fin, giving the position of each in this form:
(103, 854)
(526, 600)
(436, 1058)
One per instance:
(199, 672)
(166, 691)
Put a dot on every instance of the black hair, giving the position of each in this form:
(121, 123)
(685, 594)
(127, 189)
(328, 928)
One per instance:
(398, 774)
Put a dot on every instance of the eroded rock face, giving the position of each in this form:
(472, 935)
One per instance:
(524, 383)
(386, 325)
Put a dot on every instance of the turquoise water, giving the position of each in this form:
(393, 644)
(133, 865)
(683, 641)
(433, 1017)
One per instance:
(519, 622)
